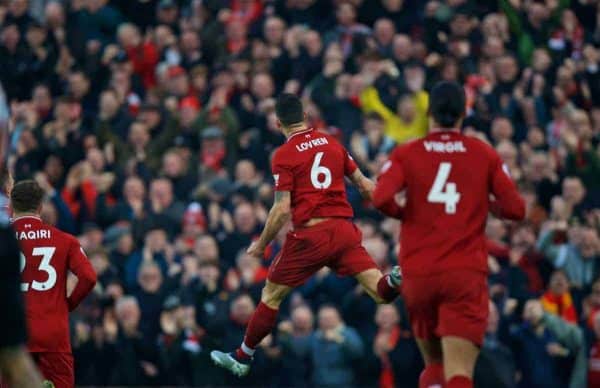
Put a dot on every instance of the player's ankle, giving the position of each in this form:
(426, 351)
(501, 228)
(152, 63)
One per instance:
(386, 291)
(244, 353)
(432, 376)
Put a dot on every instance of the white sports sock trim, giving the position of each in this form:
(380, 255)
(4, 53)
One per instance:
(247, 350)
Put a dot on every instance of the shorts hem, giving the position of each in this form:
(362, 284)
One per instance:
(473, 338)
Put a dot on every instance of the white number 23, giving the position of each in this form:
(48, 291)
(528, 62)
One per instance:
(46, 253)
(443, 191)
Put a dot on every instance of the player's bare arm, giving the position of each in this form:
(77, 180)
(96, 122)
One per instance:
(278, 215)
(17, 368)
(365, 185)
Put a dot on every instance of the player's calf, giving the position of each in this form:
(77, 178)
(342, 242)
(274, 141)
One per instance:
(260, 325)
(460, 356)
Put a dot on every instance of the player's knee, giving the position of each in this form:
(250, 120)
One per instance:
(273, 294)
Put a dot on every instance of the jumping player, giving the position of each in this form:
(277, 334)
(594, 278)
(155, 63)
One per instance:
(448, 180)
(309, 171)
(47, 256)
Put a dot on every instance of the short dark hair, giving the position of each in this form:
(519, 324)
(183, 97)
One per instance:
(447, 103)
(288, 109)
(26, 196)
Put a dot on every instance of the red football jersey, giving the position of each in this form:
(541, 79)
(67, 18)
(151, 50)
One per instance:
(47, 256)
(448, 178)
(594, 366)
(312, 166)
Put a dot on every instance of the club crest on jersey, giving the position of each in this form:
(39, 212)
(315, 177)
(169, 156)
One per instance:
(276, 179)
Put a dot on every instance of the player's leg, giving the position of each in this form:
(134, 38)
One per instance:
(300, 257)
(463, 314)
(57, 369)
(261, 323)
(352, 259)
(420, 295)
(263, 320)
(433, 374)
(460, 356)
(382, 288)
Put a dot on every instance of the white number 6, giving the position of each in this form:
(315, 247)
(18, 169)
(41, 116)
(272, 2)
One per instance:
(317, 170)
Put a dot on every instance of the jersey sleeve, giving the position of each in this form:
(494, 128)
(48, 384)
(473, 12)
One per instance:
(349, 164)
(508, 202)
(83, 270)
(282, 174)
(390, 182)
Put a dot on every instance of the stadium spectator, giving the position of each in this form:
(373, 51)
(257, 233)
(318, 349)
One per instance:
(331, 350)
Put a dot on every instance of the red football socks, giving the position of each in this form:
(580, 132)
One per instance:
(459, 382)
(260, 325)
(432, 376)
(385, 290)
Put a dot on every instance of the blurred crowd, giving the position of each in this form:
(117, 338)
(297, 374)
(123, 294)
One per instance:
(150, 124)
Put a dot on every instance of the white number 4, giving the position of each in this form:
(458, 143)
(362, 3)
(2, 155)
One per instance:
(46, 253)
(443, 191)
(317, 170)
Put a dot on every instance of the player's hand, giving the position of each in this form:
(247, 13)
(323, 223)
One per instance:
(256, 249)
(366, 188)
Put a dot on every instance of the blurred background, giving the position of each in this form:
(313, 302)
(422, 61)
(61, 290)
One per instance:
(150, 124)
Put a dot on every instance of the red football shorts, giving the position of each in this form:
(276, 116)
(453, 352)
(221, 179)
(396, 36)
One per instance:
(56, 368)
(453, 303)
(335, 243)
